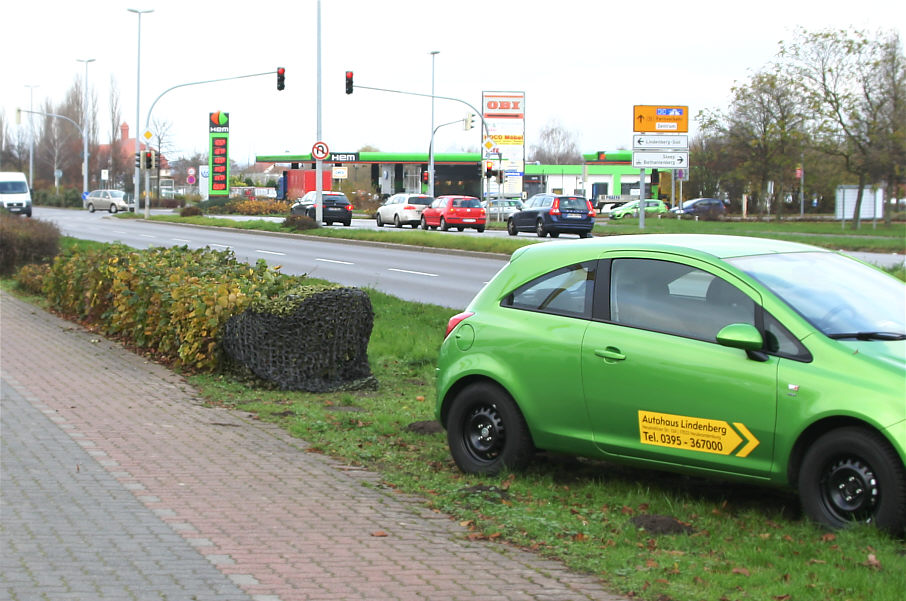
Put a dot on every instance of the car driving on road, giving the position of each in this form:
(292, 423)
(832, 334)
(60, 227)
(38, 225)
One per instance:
(553, 214)
(336, 209)
(402, 209)
(107, 200)
(764, 361)
(449, 211)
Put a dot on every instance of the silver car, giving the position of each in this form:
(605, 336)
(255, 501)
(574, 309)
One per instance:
(403, 209)
(107, 200)
(501, 208)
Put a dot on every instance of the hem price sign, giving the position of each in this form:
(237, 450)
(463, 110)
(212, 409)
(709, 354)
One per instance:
(219, 161)
(660, 119)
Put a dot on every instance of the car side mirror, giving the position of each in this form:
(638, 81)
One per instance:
(743, 336)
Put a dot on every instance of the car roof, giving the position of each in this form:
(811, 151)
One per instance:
(711, 245)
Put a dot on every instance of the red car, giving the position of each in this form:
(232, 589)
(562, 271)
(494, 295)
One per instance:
(454, 211)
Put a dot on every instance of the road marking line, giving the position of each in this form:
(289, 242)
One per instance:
(269, 252)
(180, 240)
(430, 275)
(147, 236)
(334, 261)
(220, 245)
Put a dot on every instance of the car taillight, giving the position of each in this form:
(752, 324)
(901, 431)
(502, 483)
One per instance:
(454, 321)
(408, 208)
(555, 209)
(591, 209)
(349, 207)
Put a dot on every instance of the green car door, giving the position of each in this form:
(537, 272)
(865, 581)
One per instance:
(657, 384)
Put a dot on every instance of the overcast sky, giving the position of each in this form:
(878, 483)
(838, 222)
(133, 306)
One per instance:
(581, 63)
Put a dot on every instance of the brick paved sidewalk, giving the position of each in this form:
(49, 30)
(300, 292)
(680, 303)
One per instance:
(277, 523)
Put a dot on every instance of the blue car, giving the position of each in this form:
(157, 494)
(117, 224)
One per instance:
(553, 214)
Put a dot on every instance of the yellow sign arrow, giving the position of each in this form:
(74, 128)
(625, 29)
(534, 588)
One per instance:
(694, 433)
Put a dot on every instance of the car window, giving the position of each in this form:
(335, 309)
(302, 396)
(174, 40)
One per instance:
(466, 202)
(546, 201)
(676, 299)
(421, 200)
(566, 291)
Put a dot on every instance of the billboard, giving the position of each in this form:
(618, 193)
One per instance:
(504, 113)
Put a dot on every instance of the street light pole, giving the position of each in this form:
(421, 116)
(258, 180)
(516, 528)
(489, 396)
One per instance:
(138, 88)
(85, 126)
(31, 136)
(434, 53)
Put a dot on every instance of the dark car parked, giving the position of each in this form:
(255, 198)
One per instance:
(706, 208)
(337, 208)
(553, 214)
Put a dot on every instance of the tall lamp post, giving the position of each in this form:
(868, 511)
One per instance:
(31, 136)
(434, 53)
(138, 88)
(85, 126)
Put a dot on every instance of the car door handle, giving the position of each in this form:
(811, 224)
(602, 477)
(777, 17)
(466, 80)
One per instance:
(610, 353)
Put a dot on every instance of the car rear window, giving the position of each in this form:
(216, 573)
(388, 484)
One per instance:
(421, 200)
(573, 202)
(466, 202)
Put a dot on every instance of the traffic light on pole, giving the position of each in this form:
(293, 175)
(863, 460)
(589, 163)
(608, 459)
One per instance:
(281, 78)
(153, 160)
(425, 176)
(148, 157)
(138, 159)
(349, 82)
(489, 169)
(470, 123)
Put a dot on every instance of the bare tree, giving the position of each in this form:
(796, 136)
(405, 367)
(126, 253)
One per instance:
(838, 73)
(556, 146)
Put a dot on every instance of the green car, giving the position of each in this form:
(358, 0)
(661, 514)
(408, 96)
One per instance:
(758, 360)
(631, 209)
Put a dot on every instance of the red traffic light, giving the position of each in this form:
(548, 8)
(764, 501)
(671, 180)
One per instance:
(349, 82)
(425, 176)
(281, 78)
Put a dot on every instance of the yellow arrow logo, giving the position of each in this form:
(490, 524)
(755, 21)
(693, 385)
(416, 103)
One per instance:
(751, 441)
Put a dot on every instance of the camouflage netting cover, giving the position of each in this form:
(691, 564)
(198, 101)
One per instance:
(314, 340)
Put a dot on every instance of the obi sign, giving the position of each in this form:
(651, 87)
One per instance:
(219, 156)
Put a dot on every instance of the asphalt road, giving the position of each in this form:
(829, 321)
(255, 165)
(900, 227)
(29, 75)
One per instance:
(442, 277)
(445, 278)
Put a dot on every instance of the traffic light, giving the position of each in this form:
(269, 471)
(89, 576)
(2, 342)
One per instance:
(138, 159)
(655, 177)
(149, 159)
(349, 82)
(281, 77)
(470, 121)
(153, 160)
(489, 169)
(425, 177)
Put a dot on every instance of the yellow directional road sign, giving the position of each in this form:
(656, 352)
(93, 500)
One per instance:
(660, 119)
(695, 434)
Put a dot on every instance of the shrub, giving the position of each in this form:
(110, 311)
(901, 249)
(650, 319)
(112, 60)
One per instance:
(25, 241)
(31, 277)
(259, 207)
(172, 301)
(51, 197)
(300, 222)
(190, 211)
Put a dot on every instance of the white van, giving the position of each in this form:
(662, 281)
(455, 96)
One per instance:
(14, 194)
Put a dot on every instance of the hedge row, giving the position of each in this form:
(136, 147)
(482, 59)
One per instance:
(25, 241)
(173, 301)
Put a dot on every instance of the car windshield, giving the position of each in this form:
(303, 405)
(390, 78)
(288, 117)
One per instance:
(840, 296)
(13, 188)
